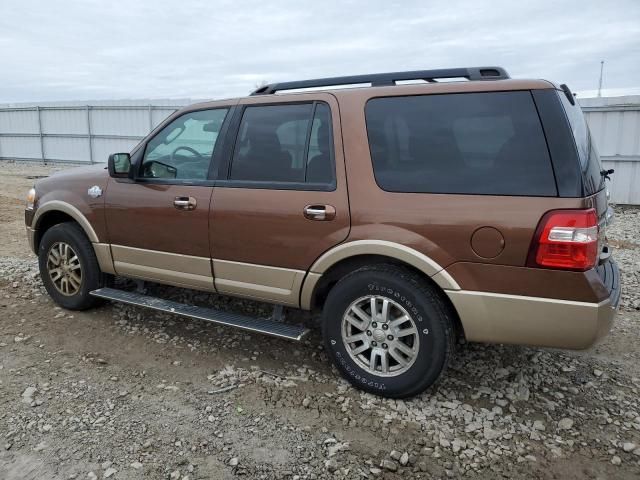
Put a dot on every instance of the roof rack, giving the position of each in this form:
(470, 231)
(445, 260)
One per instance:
(388, 79)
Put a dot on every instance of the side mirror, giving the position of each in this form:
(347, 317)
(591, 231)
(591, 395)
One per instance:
(119, 165)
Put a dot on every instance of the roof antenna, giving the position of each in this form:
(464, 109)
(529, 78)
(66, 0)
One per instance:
(600, 84)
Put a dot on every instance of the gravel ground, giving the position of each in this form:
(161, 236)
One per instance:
(119, 392)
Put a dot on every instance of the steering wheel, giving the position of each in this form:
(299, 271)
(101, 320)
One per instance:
(189, 149)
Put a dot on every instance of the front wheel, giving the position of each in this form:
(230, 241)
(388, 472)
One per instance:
(68, 266)
(388, 331)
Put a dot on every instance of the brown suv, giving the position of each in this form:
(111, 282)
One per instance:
(408, 213)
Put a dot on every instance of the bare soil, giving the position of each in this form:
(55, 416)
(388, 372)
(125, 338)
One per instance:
(119, 392)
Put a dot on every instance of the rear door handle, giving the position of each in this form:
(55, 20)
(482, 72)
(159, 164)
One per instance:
(320, 212)
(185, 203)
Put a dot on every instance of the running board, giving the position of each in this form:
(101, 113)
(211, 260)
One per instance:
(230, 319)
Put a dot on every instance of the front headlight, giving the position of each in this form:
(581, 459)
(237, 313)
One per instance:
(31, 198)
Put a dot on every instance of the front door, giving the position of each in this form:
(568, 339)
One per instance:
(284, 200)
(158, 224)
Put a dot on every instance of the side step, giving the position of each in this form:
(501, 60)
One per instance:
(230, 319)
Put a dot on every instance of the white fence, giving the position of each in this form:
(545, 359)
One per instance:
(615, 125)
(73, 132)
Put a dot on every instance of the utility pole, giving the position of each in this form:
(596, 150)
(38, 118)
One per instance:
(600, 83)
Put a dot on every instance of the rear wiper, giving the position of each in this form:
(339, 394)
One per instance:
(605, 173)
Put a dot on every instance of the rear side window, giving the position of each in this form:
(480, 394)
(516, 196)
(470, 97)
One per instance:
(468, 143)
(284, 144)
(587, 152)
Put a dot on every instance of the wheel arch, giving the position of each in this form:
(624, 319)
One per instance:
(55, 212)
(344, 259)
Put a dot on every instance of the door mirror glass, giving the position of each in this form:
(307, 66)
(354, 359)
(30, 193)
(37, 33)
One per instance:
(119, 164)
(154, 169)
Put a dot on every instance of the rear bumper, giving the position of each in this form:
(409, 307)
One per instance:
(502, 318)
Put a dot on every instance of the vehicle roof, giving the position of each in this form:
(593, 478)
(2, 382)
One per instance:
(393, 90)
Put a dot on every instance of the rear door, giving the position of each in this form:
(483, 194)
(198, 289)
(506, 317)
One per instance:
(281, 197)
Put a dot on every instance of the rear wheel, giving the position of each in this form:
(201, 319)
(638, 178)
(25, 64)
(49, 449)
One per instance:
(388, 331)
(68, 266)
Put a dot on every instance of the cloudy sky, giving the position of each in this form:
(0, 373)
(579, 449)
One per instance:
(112, 49)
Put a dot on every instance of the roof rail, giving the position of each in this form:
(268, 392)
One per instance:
(388, 79)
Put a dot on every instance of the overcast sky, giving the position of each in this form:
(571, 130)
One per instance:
(107, 49)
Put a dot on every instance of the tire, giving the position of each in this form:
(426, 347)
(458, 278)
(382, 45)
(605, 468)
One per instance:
(80, 263)
(428, 335)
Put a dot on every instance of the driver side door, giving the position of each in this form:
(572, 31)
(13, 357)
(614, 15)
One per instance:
(157, 222)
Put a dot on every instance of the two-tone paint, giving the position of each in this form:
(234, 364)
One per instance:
(257, 242)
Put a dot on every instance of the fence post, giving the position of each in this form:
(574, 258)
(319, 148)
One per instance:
(150, 118)
(40, 134)
(89, 134)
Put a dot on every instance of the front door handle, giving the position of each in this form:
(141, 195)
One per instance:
(320, 212)
(185, 203)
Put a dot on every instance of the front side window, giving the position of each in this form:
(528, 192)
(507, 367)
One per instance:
(184, 148)
(469, 143)
(284, 144)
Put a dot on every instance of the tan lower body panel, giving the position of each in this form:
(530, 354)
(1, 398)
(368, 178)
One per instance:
(103, 255)
(260, 282)
(500, 318)
(163, 267)
(31, 238)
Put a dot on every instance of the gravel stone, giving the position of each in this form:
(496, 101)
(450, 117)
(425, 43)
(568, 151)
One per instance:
(115, 395)
(565, 424)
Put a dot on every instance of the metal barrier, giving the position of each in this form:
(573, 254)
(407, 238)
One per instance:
(75, 133)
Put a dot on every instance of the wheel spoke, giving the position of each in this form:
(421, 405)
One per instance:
(404, 348)
(374, 308)
(57, 272)
(385, 310)
(64, 251)
(362, 315)
(75, 280)
(402, 361)
(54, 257)
(362, 348)
(357, 337)
(384, 362)
(373, 360)
(359, 324)
(406, 331)
(398, 321)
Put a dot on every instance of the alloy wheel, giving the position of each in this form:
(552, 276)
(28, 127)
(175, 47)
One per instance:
(64, 268)
(380, 335)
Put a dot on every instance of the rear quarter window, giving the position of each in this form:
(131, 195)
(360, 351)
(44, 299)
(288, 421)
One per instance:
(587, 152)
(468, 143)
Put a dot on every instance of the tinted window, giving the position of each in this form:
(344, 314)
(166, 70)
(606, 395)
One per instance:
(587, 152)
(477, 143)
(284, 143)
(183, 149)
(320, 167)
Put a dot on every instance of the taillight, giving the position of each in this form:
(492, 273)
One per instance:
(566, 239)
